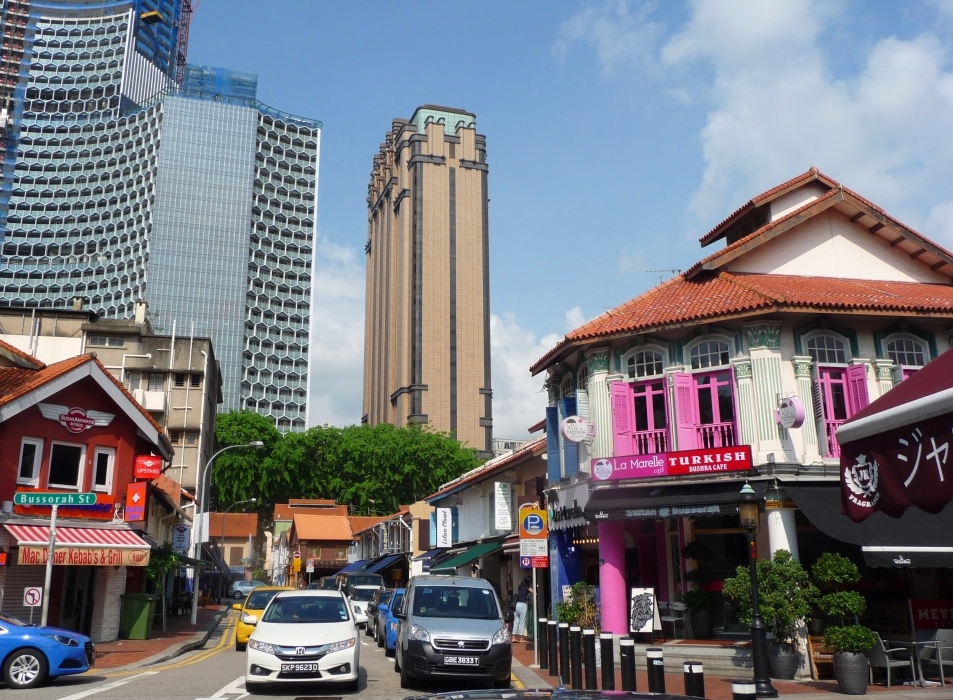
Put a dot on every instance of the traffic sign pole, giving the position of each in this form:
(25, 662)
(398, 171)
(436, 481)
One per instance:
(49, 566)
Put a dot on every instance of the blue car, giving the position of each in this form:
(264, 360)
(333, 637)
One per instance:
(31, 654)
(387, 623)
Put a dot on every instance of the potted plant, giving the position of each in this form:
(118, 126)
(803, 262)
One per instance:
(700, 604)
(786, 597)
(580, 608)
(849, 640)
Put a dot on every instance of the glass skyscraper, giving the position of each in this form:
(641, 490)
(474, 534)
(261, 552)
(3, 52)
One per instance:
(120, 184)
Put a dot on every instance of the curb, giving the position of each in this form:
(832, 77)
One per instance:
(197, 642)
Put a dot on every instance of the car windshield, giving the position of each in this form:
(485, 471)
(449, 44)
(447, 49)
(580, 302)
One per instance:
(15, 621)
(306, 609)
(365, 580)
(456, 601)
(362, 594)
(259, 599)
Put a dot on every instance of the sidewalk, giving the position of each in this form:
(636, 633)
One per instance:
(717, 687)
(179, 636)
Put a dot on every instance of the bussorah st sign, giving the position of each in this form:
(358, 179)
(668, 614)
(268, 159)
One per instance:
(53, 498)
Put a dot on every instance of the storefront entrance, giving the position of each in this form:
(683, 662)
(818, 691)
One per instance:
(79, 585)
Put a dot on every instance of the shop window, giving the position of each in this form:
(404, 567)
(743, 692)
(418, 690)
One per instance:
(839, 391)
(66, 466)
(31, 455)
(705, 400)
(103, 460)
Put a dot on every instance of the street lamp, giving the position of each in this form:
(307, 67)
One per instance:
(224, 516)
(749, 513)
(199, 512)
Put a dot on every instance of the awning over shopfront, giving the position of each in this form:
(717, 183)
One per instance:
(567, 509)
(80, 546)
(894, 451)
(186, 560)
(473, 553)
(383, 563)
(355, 566)
(430, 554)
(212, 553)
(650, 502)
(914, 540)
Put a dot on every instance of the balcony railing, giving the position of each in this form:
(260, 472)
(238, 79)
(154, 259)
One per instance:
(650, 441)
(715, 435)
(833, 447)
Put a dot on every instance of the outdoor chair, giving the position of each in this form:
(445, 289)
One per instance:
(674, 614)
(936, 655)
(889, 658)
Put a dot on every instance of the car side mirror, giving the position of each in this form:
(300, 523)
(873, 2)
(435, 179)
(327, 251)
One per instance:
(400, 614)
(250, 620)
(237, 606)
(508, 617)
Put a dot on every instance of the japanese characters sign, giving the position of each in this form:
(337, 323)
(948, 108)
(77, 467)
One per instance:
(896, 469)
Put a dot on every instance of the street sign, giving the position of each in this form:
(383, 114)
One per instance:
(51, 498)
(297, 555)
(533, 524)
(32, 597)
(534, 562)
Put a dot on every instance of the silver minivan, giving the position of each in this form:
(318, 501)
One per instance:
(452, 627)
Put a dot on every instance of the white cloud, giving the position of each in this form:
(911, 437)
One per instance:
(621, 35)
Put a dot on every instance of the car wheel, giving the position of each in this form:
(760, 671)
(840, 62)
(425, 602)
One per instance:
(380, 640)
(253, 687)
(406, 681)
(25, 668)
(396, 662)
(389, 652)
(237, 595)
(239, 647)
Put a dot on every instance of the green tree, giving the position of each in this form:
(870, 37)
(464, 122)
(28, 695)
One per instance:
(238, 475)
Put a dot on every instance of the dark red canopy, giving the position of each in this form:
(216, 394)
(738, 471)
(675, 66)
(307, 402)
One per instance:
(898, 451)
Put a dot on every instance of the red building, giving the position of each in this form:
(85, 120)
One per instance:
(70, 427)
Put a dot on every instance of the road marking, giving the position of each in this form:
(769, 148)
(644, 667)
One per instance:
(236, 687)
(517, 683)
(227, 639)
(110, 686)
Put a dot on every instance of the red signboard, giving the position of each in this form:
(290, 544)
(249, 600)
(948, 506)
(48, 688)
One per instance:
(103, 509)
(684, 463)
(136, 502)
(932, 614)
(148, 467)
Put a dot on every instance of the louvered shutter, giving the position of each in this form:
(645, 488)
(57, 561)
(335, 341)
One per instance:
(570, 448)
(623, 417)
(686, 411)
(857, 388)
(552, 443)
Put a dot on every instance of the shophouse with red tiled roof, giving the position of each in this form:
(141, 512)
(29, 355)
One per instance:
(318, 542)
(71, 428)
(740, 369)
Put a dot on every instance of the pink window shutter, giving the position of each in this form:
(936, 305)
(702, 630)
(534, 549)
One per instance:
(686, 411)
(623, 418)
(857, 388)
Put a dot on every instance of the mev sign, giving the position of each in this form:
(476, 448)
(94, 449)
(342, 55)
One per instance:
(53, 498)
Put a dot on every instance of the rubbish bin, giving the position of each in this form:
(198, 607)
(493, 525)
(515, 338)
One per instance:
(136, 614)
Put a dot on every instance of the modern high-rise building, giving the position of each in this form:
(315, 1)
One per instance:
(427, 332)
(130, 176)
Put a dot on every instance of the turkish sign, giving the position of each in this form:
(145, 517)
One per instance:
(896, 469)
(148, 467)
(49, 498)
(444, 527)
(136, 502)
(682, 463)
(84, 556)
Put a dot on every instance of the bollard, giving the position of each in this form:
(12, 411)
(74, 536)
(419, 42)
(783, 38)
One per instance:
(694, 675)
(744, 690)
(575, 656)
(656, 669)
(627, 662)
(553, 648)
(589, 655)
(543, 648)
(564, 652)
(608, 661)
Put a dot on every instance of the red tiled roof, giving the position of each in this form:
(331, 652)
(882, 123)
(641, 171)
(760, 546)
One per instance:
(236, 524)
(494, 466)
(313, 506)
(360, 523)
(19, 357)
(322, 528)
(719, 295)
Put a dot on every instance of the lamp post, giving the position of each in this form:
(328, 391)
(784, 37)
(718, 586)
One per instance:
(224, 516)
(749, 513)
(199, 512)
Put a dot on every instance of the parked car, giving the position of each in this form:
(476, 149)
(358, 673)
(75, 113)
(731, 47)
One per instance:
(346, 580)
(304, 637)
(358, 597)
(251, 610)
(241, 588)
(381, 597)
(388, 623)
(30, 655)
(452, 627)
(325, 583)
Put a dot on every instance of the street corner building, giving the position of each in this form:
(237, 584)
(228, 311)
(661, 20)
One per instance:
(427, 315)
(742, 369)
(73, 437)
(130, 175)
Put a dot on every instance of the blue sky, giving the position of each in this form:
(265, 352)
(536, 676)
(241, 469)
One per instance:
(618, 133)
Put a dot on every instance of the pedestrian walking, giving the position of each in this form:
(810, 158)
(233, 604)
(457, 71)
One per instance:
(519, 614)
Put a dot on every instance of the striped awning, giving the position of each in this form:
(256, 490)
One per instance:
(39, 535)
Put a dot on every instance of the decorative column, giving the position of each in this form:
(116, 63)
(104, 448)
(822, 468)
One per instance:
(615, 601)
(782, 532)
(600, 403)
(764, 344)
(883, 370)
(803, 365)
(744, 399)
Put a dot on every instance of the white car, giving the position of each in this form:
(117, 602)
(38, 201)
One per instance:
(304, 637)
(359, 597)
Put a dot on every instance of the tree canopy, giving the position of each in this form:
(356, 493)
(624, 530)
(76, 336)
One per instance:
(374, 469)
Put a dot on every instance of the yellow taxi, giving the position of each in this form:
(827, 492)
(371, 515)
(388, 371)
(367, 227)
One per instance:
(251, 610)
